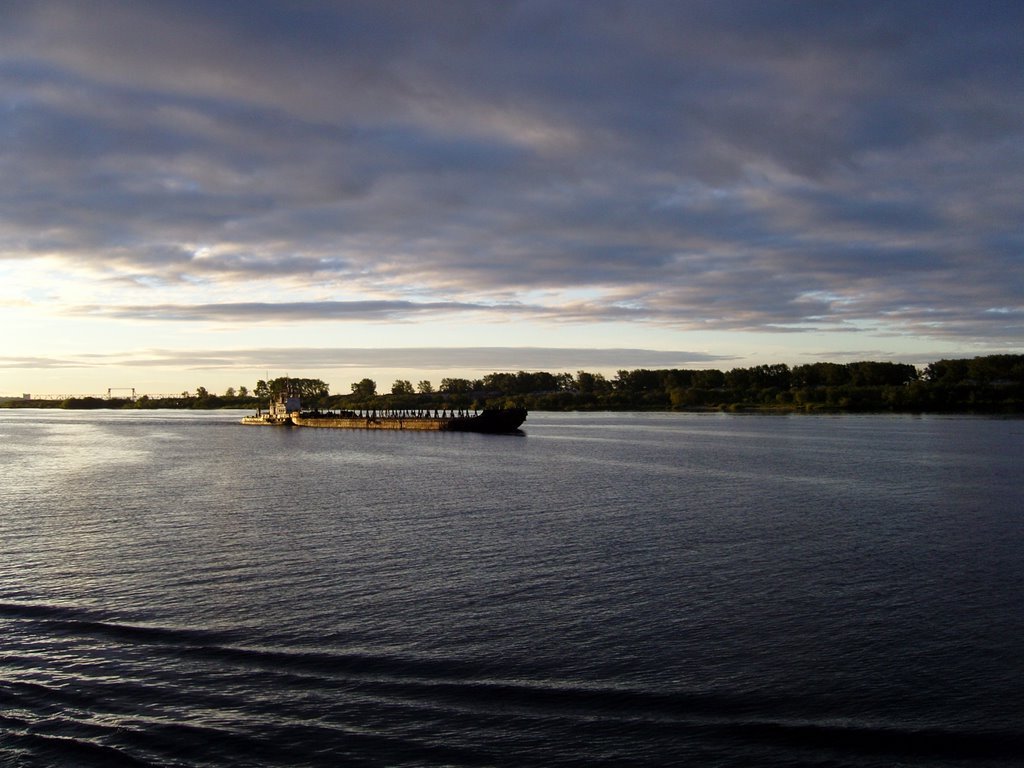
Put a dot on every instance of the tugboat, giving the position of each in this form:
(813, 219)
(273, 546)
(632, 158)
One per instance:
(278, 412)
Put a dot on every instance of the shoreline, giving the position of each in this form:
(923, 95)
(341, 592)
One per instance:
(809, 409)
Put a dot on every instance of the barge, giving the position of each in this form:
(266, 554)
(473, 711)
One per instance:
(286, 412)
(489, 420)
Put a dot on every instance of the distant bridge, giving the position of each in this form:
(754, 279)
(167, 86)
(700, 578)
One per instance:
(97, 395)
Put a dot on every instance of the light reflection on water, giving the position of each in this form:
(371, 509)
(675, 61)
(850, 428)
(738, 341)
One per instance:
(467, 599)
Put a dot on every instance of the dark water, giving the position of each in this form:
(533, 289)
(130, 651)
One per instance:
(178, 590)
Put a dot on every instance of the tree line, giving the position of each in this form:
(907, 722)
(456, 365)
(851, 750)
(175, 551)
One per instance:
(993, 383)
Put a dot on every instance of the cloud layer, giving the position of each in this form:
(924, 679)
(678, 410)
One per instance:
(724, 166)
(479, 359)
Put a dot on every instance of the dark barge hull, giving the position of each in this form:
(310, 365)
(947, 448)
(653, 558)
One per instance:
(493, 421)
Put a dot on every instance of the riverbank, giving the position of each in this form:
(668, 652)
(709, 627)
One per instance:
(979, 408)
(991, 384)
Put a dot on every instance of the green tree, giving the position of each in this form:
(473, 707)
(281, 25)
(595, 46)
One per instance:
(365, 388)
(499, 382)
(771, 376)
(638, 381)
(402, 387)
(425, 387)
(585, 382)
(565, 382)
(872, 374)
(819, 375)
(243, 391)
(306, 389)
(996, 368)
(677, 379)
(229, 392)
(535, 381)
(738, 378)
(709, 378)
(456, 386)
(946, 371)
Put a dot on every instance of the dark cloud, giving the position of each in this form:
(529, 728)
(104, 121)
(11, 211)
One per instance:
(734, 165)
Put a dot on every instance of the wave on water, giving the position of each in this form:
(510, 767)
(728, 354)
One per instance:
(83, 689)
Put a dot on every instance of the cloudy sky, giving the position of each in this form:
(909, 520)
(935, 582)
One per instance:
(205, 193)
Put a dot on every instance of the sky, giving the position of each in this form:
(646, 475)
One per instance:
(209, 193)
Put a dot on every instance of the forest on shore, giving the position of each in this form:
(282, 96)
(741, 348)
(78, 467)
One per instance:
(988, 384)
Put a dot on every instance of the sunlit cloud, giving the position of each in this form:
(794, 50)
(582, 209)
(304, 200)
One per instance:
(296, 311)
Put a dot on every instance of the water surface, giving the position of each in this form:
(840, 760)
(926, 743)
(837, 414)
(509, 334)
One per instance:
(606, 589)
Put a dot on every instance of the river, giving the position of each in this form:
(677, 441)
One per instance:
(601, 590)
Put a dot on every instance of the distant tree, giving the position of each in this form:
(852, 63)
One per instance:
(456, 386)
(638, 381)
(820, 374)
(769, 376)
(85, 402)
(738, 378)
(306, 389)
(364, 388)
(584, 382)
(677, 379)
(992, 368)
(202, 393)
(525, 382)
(709, 378)
(873, 374)
(402, 387)
(499, 382)
(229, 392)
(425, 387)
(243, 391)
(262, 389)
(565, 382)
(535, 381)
